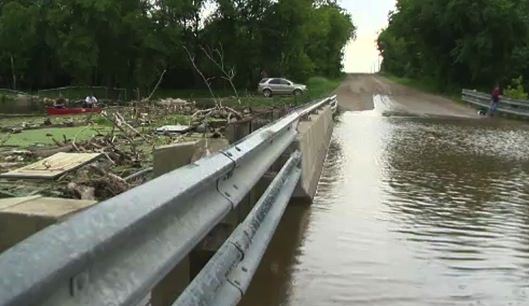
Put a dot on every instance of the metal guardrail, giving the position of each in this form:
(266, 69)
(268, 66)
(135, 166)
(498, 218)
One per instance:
(13, 92)
(101, 92)
(228, 274)
(507, 106)
(115, 252)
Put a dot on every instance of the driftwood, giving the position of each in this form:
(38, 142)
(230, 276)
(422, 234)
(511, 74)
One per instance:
(114, 178)
(156, 86)
(138, 174)
(49, 152)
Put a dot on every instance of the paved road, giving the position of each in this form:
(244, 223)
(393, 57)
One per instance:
(361, 91)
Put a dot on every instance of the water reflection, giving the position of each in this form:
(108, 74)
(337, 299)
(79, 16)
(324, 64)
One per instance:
(409, 211)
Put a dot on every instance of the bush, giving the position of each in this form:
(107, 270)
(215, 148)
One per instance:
(320, 87)
(516, 90)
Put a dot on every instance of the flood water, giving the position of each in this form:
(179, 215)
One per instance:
(409, 211)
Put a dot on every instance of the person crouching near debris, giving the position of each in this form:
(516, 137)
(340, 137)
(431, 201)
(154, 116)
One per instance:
(496, 96)
(90, 101)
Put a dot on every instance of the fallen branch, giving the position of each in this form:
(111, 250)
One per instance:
(124, 122)
(139, 173)
(50, 152)
(119, 182)
(156, 86)
(75, 138)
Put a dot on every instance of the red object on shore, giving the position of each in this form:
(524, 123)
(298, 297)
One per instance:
(52, 111)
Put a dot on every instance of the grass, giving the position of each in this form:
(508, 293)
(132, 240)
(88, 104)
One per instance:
(174, 119)
(191, 94)
(56, 120)
(318, 87)
(44, 137)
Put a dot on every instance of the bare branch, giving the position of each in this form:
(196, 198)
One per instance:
(206, 80)
(228, 75)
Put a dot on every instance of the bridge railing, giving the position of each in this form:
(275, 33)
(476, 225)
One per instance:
(117, 251)
(507, 105)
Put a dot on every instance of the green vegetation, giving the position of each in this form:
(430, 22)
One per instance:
(45, 137)
(175, 119)
(129, 43)
(457, 43)
(516, 90)
(320, 87)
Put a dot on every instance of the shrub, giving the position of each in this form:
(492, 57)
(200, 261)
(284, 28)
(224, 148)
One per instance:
(516, 90)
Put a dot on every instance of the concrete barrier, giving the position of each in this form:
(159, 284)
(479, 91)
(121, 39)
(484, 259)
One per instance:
(313, 141)
(170, 157)
(23, 217)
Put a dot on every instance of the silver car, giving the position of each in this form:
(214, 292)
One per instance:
(279, 86)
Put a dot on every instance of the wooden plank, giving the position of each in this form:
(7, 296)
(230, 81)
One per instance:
(53, 166)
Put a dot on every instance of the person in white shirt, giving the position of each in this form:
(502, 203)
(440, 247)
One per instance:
(90, 101)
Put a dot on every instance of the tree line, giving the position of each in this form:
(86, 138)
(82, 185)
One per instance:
(457, 43)
(129, 43)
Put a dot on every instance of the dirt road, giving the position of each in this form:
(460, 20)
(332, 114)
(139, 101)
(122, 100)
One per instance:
(366, 92)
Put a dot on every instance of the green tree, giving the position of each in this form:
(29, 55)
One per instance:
(129, 43)
(17, 38)
(462, 42)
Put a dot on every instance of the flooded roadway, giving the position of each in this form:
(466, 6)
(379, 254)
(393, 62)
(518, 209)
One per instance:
(410, 210)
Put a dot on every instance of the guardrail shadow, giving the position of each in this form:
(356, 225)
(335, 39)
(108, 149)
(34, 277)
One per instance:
(272, 282)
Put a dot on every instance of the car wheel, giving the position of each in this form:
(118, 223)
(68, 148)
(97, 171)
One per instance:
(298, 92)
(267, 93)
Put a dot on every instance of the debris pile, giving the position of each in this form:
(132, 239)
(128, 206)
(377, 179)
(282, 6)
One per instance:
(123, 137)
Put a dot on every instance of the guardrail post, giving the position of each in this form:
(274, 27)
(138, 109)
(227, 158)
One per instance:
(238, 130)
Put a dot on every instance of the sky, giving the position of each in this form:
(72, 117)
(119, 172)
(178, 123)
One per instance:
(369, 16)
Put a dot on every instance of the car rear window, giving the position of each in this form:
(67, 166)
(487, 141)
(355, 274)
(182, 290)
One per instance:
(263, 81)
(275, 81)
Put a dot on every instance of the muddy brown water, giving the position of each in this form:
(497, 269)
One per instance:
(410, 210)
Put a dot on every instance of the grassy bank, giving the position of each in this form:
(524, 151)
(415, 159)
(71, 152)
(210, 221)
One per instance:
(318, 87)
(47, 136)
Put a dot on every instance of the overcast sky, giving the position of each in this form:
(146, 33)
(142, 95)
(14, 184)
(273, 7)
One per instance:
(369, 16)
